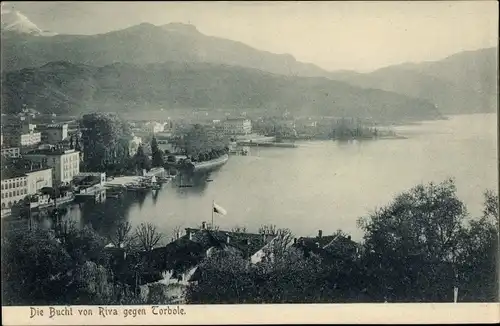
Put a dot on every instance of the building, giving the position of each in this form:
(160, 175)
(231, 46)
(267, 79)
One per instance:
(65, 164)
(14, 188)
(153, 127)
(38, 179)
(11, 152)
(134, 144)
(30, 139)
(237, 126)
(54, 133)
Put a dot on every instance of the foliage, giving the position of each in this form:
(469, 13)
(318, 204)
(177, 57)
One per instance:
(157, 154)
(121, 236)
(147, 236)
(34, 267)
(200, 143)
(141, 160)
(105, 141)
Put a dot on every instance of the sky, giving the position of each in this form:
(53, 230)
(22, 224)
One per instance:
(361, 36)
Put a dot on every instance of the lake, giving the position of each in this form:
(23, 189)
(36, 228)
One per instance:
(323, 185)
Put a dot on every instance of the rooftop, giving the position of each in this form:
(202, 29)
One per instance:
(51, 151)
(10, 173)
(237, 119)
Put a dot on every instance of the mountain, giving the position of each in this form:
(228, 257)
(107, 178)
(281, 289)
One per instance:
(15, 22)
(144, 44)
(465, 82)
(61, 87)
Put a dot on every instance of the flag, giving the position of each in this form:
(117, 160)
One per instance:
(219, 210)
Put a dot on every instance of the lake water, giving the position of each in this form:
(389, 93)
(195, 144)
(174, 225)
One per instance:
(323, 185)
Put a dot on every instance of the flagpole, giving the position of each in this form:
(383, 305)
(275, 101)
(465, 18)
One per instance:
(213, 202)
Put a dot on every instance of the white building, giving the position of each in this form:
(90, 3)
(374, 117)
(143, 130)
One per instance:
(133, 145)
(12, 152)
(153, 127)
(31, 139)
(54, 134)
(13, 189)
(65, 164)
(37, 179)
(237, 126)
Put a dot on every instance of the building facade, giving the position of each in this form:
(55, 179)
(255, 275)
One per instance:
(237, 126)
(12, 152)
(13, 189)
(153, 127)
(38, 179)
(54, 134)
(65, 164)
(134, 144)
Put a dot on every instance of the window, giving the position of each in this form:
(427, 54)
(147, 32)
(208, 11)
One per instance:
(25, 183)
(18, 192)
(10, 185)
(3, 205)
(17, 184)
(2, 186)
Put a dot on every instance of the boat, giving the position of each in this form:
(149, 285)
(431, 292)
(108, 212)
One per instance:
(209, 165)
(137, 187)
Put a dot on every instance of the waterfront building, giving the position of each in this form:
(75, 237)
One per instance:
(11, 152)
(65, 163)
(38, 179)
(54, 133)
(14, 187)
(237, 126)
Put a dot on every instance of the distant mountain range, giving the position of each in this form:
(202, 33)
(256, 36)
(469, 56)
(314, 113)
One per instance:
(466, 82)
(463, 83)
(144, 44)
(60, 87)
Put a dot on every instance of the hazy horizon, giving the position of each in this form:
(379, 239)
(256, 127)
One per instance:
(358, 36)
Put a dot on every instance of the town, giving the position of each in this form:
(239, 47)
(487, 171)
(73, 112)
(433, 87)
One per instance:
(169, 155)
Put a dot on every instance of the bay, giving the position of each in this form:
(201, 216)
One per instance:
(323, 185)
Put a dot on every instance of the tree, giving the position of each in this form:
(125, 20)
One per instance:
(477, 255)
(412, 238)
(121, 236)
(142, 161)
(268, 229)
(157, 154)
(239, 229)
(147, 236)
(34, 268)
(103, 136)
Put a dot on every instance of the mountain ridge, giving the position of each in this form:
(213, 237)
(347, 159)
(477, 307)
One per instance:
(63, 87)
(465, 82)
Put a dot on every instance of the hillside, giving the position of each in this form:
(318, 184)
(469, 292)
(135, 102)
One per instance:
(144, 44)
(65, 87)
(463, 83)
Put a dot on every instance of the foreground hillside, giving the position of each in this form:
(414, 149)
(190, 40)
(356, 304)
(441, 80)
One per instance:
(62, 87)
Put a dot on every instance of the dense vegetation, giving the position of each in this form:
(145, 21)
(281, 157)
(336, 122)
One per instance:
(62, 87)
(415, 249)
(200, 144)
